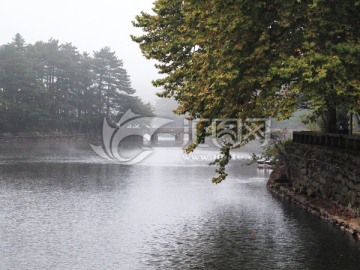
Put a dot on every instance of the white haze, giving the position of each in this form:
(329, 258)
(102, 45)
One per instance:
(89, 25)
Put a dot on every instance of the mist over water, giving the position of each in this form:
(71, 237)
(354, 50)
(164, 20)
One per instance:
(67, 208)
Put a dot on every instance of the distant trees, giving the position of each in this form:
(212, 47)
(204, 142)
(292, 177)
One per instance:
(112, 83)
(49, 87)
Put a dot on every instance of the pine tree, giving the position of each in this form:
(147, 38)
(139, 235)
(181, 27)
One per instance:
(111, 82)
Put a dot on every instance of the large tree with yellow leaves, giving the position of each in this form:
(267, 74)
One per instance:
(241, 58)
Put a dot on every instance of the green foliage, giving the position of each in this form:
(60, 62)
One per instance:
(221, 162)
(275, 150)
(312, 121)
(326, 67)
(50, 87)
(240, 59)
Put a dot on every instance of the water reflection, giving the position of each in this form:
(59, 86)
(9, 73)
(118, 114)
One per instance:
(76, 211)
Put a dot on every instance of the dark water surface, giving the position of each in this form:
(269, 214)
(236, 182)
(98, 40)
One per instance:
(66, 208)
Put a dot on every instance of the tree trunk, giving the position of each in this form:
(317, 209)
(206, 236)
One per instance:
(330, 121)
(351, 123)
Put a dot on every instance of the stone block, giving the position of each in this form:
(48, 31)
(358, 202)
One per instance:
(322, 180)
(351, 185)
(357, 187)
(338, 177)
(352, 197)
(344, 191)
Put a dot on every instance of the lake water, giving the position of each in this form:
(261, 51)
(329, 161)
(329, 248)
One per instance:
(66, 208)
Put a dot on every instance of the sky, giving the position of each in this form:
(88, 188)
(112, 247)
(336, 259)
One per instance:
(89, 25)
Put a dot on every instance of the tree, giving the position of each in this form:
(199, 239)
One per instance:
(20, 88)
(240, 59)
(51, 87)
(325, 69)
(111, 80)
(86, 96)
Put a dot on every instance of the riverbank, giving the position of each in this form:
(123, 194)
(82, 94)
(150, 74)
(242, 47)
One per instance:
(324, 208)
(48, 138)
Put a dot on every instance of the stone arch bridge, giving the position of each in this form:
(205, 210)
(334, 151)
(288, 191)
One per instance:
(177, 132)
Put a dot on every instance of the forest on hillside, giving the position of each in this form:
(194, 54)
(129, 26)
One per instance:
(52, 88)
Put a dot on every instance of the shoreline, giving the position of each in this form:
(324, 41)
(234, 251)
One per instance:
(47, 138)
(323, 208)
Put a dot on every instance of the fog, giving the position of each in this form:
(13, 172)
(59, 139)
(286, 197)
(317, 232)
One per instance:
(89, 25)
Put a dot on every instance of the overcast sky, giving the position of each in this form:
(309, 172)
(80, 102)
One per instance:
(89, 25)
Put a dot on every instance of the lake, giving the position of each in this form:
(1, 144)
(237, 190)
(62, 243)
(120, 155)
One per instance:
(63, 207)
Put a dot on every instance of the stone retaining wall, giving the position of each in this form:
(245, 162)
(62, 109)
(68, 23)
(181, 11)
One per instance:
(324, 172)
